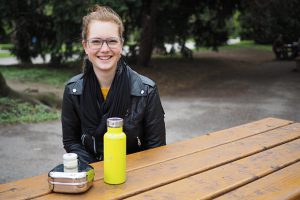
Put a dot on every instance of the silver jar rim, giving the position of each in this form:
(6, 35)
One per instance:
(114, 122)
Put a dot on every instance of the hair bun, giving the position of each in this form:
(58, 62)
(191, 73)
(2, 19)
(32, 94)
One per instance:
(95, 8)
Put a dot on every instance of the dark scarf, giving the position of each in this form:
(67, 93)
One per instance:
(95, 110)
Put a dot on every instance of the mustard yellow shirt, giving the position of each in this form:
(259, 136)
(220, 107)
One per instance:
(104, 92)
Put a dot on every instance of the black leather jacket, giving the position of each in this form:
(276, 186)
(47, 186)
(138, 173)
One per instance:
(144, 123)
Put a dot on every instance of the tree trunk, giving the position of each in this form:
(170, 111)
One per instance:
(4, 89)
(21, 39)
(148, 33)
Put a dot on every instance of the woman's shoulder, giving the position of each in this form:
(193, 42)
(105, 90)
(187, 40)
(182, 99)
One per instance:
(140, 84)
(136, 77)
(147, 80)
(75, 78)
(75, 84)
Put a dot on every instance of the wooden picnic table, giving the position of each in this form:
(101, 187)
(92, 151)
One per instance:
(258, 160)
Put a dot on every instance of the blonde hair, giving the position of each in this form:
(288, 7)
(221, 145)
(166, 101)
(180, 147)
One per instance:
(101, 13)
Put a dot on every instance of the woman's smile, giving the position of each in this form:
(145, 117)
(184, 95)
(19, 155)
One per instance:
(104, 57)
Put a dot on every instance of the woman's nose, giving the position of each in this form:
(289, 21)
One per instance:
(104, 46)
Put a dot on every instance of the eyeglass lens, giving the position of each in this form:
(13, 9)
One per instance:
(97, 43)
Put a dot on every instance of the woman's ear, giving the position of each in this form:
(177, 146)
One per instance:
(122, 45)
(84, 45)
(122, 42)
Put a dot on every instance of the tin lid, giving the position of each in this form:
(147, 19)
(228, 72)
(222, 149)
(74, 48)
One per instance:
(114, 122)
(70, 156)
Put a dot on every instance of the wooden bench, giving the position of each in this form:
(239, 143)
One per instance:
(236, 163)
(286, 51)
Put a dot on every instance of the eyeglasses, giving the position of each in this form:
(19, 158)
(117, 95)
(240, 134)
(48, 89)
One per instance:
(97, 43)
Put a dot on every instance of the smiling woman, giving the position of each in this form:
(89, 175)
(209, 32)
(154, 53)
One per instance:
(103, 47)
(108, 87)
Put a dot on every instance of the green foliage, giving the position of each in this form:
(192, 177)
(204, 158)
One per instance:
(204, 21)
(26, 21)
(263, 21)
(54, 26)
(16, 111)
(233, 25)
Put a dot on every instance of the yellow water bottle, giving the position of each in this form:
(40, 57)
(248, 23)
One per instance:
(114, 152)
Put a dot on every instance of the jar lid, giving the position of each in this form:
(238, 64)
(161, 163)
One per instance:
(115, 122)
(70, 156)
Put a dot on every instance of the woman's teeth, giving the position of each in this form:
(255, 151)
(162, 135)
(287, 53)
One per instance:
(104, 57)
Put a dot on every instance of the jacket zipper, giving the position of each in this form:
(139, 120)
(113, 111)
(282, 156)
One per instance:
(82, 139)
(94, 142)
(139, 141)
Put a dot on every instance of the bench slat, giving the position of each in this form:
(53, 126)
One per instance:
(144, 179)
(26, 188)
(281, 185)
(210, 184)
(200, 143)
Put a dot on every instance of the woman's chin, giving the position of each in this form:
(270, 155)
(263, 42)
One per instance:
(105, 66)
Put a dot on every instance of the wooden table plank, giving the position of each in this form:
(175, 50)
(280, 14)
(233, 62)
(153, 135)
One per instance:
(24, 188)
(200, 143)
(153, 176)
(212, 183)
(281, 185)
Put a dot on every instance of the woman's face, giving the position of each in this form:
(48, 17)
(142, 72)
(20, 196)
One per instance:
(103, 45)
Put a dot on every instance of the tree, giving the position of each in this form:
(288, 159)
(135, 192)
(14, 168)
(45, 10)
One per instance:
(210, 23)
(177, 21)
(24, 17)
(53, 26)
(149, 25)
(41, 27)
(6, 91)
(263, 20)
(202, 21)
(66, 17)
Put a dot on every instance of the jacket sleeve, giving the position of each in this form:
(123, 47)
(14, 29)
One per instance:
(154, 124)
(71, 128)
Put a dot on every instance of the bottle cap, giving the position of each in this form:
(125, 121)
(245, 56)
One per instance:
(70, 156)
(114, 122)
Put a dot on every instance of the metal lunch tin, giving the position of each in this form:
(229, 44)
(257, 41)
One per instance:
(69, 182)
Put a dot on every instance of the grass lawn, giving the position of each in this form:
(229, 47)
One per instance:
(17, 111)
(5, 54)
(244, 44)
(53, 76)
(6, 46)
(247, 44)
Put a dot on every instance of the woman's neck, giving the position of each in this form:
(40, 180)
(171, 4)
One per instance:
(105, 78)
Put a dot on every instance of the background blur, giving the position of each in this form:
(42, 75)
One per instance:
(217, 64)
(37, 28)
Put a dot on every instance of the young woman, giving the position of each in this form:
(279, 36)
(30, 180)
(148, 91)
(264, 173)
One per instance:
(108, 87)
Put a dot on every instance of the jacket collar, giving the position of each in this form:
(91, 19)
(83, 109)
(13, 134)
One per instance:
(137, 87)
